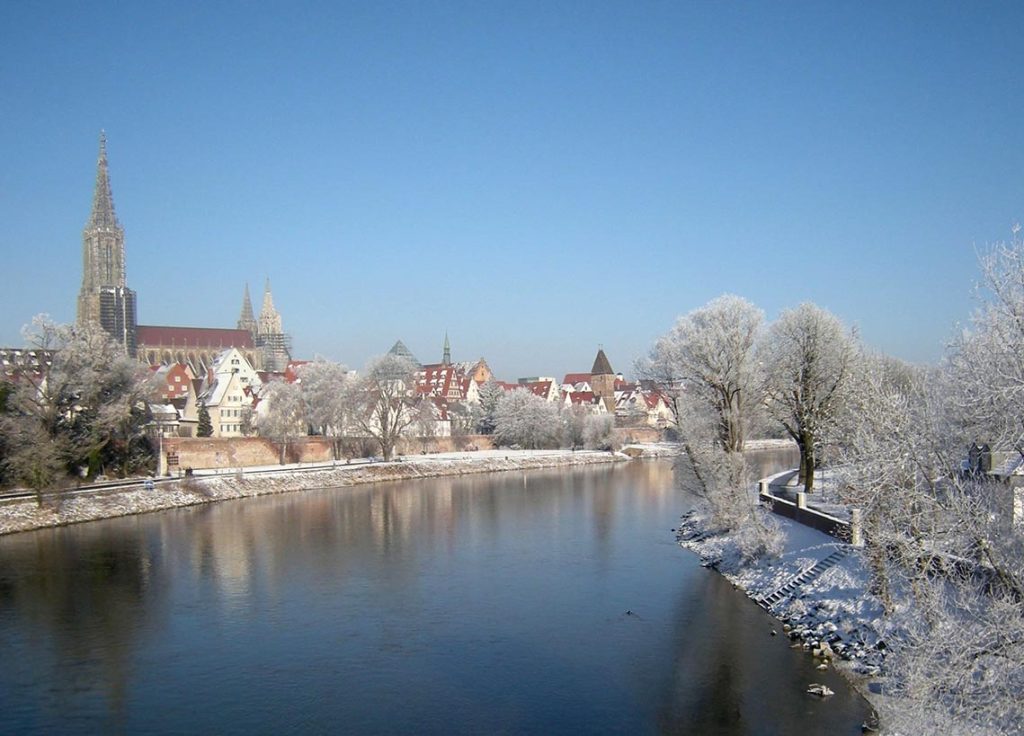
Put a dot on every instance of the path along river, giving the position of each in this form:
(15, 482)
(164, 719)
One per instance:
(521, 602)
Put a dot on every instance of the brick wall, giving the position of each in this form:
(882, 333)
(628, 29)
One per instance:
(202, 453)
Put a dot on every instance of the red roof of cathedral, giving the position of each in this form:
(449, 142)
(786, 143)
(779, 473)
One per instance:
(192, 337)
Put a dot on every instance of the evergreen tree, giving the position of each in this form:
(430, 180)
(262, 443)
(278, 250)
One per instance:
(205, 428)
(490, 392)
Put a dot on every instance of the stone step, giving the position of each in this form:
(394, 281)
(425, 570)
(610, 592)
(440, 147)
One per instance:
(804, 577)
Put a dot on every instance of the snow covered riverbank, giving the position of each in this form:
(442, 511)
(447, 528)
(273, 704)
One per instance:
(26, 515)
(817, 589)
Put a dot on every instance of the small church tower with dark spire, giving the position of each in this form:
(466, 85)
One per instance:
(105, 298)
(602, 380)
(447, 357)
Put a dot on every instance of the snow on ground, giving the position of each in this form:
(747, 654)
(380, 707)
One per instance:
(651, 449)
(835, 607)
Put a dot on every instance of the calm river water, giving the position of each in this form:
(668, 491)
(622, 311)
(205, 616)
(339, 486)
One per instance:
(483, 604)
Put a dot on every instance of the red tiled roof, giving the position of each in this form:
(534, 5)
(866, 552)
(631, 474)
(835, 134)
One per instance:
(538, 388)
(440, 380)
(291, 371)
(192, 337)
(575, 378)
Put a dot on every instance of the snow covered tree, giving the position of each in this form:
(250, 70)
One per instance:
(574, 421)
(490, 394)
(987, 359)
(946, 558)
(598, 432)
(381, 401)
(326, 391)
(946, 563)
(807, 358)
(89, 405)
(282, 415)
(525, 420)
(706, 364)
(426, 422)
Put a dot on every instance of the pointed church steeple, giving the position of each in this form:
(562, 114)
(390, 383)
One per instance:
(246, 321)
(447, 359)
(105, 298)
(103, 214)
(270, 320)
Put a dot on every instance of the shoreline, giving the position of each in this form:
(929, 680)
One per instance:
(832, 617)
(25, 516)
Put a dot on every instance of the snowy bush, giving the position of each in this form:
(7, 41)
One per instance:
(520, 418)
(598, 432)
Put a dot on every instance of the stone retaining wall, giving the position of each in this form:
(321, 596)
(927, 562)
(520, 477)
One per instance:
(208, 453)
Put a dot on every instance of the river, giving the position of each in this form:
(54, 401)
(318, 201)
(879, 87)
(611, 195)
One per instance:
(531, 602)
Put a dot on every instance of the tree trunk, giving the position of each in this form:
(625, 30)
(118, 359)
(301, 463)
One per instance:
(807, 461)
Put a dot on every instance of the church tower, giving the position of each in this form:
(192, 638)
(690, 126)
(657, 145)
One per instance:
(246, 321)
(105, 298)
(269, 335)
(602, 380)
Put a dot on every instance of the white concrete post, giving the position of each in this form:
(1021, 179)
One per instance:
(762, 487)
(801, 500)
(856, 533)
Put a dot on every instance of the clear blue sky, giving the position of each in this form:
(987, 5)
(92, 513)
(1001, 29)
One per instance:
(534, 178)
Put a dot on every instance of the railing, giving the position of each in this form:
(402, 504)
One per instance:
(847, 531)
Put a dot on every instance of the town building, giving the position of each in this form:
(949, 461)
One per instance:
(230, 387)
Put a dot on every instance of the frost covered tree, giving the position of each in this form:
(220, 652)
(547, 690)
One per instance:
(574, 422)
(706, 363)
(946, 558)
(598, 432)
(706, 367)
(525, 420)
(807, 358)
(490, 393)
(381, 401)
(282, 415)
(987, 358)
(88, 408)
(326, 391)
(426, 422)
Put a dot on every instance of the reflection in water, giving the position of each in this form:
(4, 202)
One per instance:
(478, 603)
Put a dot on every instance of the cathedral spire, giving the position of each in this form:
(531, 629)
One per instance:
(269, 321)
(447, 359)
(102, 215)
(105, 298)
(268, 310)
(246, 321)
